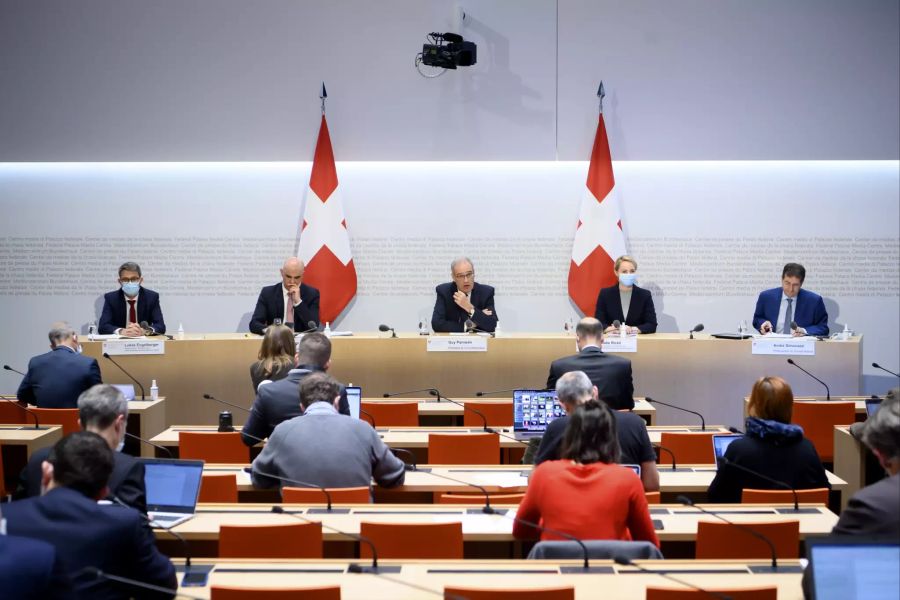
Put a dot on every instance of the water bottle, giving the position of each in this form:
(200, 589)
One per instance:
(180, 331)
(92, 329)
(154, 390)
(327, 330)
(497, 332)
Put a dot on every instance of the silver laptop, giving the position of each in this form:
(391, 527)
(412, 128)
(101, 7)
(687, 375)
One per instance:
(173, 487)
(721, 443)
(533, 410)
(354, 397)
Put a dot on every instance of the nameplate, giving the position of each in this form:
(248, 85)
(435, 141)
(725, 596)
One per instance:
(457, 344)
(785, 346)
(615, 343)
(123, 347)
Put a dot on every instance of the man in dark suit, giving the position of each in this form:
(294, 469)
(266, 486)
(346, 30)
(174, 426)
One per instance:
(463, 301)
(112, 538)
(777, 308)
(102, 410)
(31, 570)
(302, 301)
(132, 304)
(611, 374)
(57, 378)
(279, 401)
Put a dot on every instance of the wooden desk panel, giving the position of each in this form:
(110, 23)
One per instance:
(145, 420)
(29, 438)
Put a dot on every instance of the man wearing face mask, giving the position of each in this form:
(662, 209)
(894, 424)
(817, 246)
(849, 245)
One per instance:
(463, 301)
(55, 379)
(125, 309)
(630, 305)
(103, 410)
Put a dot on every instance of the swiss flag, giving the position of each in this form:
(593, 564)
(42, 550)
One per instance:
(324, 242)
(599, 240)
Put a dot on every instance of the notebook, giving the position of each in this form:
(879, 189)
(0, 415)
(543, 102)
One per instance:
(354, 397)
(533, 410)
(173, 487)
(854, 568)
(721, 443)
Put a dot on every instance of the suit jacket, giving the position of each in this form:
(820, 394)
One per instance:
(57, 378)
(270, 306)
(125, 483)
(112, 538)
(448, 316)
(611, 374)
(808, 311)
(872, 511)
(631, 430)
(641, 312)
(279, 401)
(31, 570)
(115, 311)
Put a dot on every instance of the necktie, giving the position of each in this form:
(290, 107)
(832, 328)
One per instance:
(788, 316)
(132, 315)
(289, 311)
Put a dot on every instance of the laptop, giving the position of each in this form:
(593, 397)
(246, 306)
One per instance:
(354, 397)
(721, 443)
(635, 468)
(845, 568)
(872, 406)
(127, 390)
(533, 410)
(173, 487)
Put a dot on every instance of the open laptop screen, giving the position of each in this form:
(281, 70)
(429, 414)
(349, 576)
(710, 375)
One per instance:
(172, 485)
(872, 406)
(855, 570)
(721, 443)
(127, 390)
(354, 397)
(534, 409)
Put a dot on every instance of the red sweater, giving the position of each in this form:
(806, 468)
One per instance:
(592, 502)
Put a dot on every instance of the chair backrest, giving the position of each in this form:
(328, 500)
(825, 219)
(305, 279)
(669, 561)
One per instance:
(414, 540)
(390, 414)
(690, 448)
(213, 446)
(818, 420)
(67, 417)
(331, 592)
(352, 495)
(653, 497)
(2, 478)
(725, 541)
(563, 593)
(463, 449)
(218, 488)
(765, 593)
(497, 413)
(466, 498)
(293, 540)
(813, 496)
(600, 549)
(11, 413)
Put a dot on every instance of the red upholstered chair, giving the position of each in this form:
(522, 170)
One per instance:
(213, 447)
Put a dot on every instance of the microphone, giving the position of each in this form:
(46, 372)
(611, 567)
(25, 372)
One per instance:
(735, 430)
(211, 397)
(9, 368)
(352, 568)
(412, 457)
(617, 324)
(492, 392)
(688, 502)
(697, 328)
(622, 560)
(311, 326)
(28, 410)
(687, 410)
(150, 331)
(393, 394)
(672, 454)
(130, 376)
(384, 327)
(484, 423)
(730, 463)
(152, 523)
(827, 391)
(876, 365)
(301, 484)
(99, 574)
(586, 566)
(794, 325)
(149, 443)
(368, 414)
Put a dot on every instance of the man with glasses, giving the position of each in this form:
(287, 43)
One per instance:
(291, 302)
(462, 304)
(132, 304)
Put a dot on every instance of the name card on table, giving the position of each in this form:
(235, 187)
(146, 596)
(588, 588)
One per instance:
(127, 347)
(614, 343)
(457, 344)
(801, 346)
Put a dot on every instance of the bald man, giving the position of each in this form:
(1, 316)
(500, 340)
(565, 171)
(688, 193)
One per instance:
(292, 302)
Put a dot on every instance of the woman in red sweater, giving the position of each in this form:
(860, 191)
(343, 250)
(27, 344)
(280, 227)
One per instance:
(586, 494)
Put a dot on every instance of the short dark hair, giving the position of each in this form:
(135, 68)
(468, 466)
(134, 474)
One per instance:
(794, 270)
(314, 349)
(591, 434)
(589, 327)
(318, 387)
(130, 266)
(83, 462)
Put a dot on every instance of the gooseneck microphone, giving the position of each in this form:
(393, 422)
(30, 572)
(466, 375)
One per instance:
(25, 409)
(130, 376)
(149, 443)
(697, 328)
(874, 364)
(484, 423)
(214, 399)
(305, 484)
(730, 463)
(622, 560)
(735, 430)
(100, 574)
(827, 391)
(672, 454)
(310, 327)
(492, 392)
(585, 565)
(431, 391)
(368, 414)
(353, 568)
(681, 408)
(411, 465)
(384, 327)
(9, 368)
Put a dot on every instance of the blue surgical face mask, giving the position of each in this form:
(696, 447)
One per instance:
(131, 288)
(627, 279)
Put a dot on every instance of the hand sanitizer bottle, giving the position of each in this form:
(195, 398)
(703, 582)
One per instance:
(497, 332)
(180, 331)
(327, 330)
(154, 391)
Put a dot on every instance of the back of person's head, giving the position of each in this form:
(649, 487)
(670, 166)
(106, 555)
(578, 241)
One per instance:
(591, 434)
(277, 348)
(771, 399)
(882, 430)
(315, 349)
(100, 406)
(318, 387)
(60, 332)
(83, 462)
(589, 328)
(574, 388)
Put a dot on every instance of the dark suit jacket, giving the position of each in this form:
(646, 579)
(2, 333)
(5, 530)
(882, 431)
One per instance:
(611, 374)
(112, 538)
(270, 306)
(125, 483)
(809, 311)
(641, 312)
(631, 430)
(31, 570)
(115, 311)
(280, 401)
(448, 316)
(873, 511)
(57, 378)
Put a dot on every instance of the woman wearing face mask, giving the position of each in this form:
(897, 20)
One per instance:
(625, 302)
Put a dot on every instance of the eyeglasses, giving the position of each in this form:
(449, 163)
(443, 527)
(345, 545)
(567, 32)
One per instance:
(130, 280)
(464, 276)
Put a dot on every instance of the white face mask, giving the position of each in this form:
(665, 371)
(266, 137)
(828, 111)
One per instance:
(120, 445)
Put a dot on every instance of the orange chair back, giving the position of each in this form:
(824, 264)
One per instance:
(653, 497)
(67, 417)
(565, 593)
(457, 498)
(766, 593)
(724, 541)
(391, 414)
(213, 446)
(813, 496)
(219, 592)
(415, 540)
(10, 413)
(689, 448)
(294, 540)
(218, 488)
(353, 495)
(818, 420)
(497, 413)
(463, 449)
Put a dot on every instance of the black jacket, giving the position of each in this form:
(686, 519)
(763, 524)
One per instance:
(641, 312)
(270, 306)
(611, 374)
(448, 316)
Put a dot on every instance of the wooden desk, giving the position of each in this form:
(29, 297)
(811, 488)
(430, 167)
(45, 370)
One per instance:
(858, 401)
(17, 442)
(849, 462)
(145, 420)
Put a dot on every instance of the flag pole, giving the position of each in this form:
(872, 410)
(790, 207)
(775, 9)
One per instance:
(600, 94)
(324, 95)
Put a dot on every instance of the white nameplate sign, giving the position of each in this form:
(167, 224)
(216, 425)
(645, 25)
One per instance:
(614, 343)
(122, 347)
(457, 344)
(801, 346)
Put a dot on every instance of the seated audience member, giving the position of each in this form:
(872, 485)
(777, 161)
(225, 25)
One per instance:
(55, 379)
(126, 308)
(586, 494)
(292, 302)
(112, 538)
(277, 355)
(771, 446)
(463, 301)
(277, 401)
(625, 302)
(102, 410)
(31, 570)
(778, 309)
(574, 389)
(324, 447)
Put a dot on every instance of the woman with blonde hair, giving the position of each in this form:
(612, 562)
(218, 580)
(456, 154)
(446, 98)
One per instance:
(277, 356)
(625, 302)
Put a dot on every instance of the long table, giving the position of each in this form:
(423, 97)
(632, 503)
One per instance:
(859, 403)
(704, 374)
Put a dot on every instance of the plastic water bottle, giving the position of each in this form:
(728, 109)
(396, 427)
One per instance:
(623, 330)
(92, 329)
(180, 331)
(154, 390)
(327, 330)
(846, 333)
(497, 332)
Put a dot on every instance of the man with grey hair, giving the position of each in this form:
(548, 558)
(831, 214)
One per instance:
(462, 304)
(56, 378)
(132, 310)
(291, 301)
(575, 388)
(103, 410)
